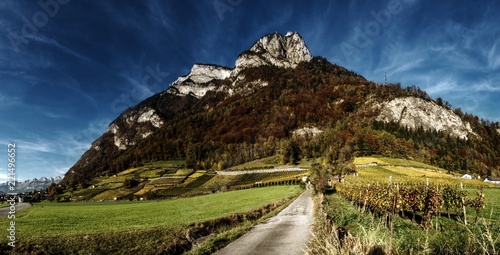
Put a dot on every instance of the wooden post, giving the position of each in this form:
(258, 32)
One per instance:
(438, 213)
(463, 204)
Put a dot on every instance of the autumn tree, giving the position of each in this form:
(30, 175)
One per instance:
(319, 177)
(53, 191)
(190, 156)
(290, 152)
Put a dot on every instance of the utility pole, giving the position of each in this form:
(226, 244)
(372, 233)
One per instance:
(385, 78)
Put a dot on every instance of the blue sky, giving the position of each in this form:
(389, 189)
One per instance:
(68, 67)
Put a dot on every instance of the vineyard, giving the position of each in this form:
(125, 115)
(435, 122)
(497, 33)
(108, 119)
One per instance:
(170, 179)
(253, 178)
(425, 201)
(414, 189)
(400, 206)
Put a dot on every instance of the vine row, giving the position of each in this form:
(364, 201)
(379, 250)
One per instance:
(424, 200)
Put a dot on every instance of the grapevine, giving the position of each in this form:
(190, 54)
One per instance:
(428, 201)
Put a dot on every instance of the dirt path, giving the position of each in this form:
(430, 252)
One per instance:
(260, 171)
(286, 233)
(4, 211)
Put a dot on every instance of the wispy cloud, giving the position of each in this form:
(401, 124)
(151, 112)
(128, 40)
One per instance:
(487, 85)
(3, 175)
(37, 146)
(42, 155)
(60, 48)
(442, 87)
(53, 115)
(9, 100)
(494, 57)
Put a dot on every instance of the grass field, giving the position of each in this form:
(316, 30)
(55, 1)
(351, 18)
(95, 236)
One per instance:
(491, 210)
(63, 219)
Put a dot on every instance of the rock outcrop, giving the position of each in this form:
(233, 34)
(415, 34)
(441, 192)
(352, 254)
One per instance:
(275, 49)
(415, 112)
(310, 131)
(134, 126)
(197, 82)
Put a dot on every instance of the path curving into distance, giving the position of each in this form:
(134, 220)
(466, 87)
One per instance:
(286, 233)
(4, 211)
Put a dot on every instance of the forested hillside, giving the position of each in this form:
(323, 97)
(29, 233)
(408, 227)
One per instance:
(220, 130)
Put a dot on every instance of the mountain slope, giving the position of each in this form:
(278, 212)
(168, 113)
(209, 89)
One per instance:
(216, 117)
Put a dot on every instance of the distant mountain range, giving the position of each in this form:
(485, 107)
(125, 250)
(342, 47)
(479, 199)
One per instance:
(216, 117)
(30, 185)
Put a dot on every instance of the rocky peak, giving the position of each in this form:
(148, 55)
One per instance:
(200, 74)
(285, 51)
(275, 49)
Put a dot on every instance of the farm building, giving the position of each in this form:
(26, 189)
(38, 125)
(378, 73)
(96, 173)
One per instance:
(352, 172)
(335, 179)
(492, 179)
(467, 176)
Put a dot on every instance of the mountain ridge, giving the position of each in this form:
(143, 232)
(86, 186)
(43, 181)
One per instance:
(30, 185)
(272, 49)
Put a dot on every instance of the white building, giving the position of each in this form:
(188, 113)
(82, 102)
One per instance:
(492, 179)
(467, 176)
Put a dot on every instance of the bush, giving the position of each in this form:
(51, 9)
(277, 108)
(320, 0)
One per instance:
(130, 183)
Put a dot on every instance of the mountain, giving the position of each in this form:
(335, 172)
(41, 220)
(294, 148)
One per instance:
(276, 95)
(30, 185)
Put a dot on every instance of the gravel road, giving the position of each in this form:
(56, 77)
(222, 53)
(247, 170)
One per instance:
(4, 211)
(286, 233)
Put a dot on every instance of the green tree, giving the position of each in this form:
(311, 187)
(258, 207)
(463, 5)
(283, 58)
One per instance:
(319, 178)
(191, 156)
(290, 152)
(294, 152)
(53, 191)
(130, 183)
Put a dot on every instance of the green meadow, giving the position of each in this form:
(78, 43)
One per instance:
(139, 227)
(62, 219)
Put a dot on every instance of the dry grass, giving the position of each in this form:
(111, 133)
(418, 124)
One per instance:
(371, 234)
(327, 240)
